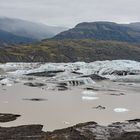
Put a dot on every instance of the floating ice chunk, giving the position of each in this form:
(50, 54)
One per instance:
(9, 85)
(89, 98)
(119, 110)
(91, 93)
(6, 82)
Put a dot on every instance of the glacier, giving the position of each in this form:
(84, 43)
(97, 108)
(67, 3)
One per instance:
(115, 70)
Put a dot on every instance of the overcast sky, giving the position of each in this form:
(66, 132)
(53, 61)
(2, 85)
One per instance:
(70, 12)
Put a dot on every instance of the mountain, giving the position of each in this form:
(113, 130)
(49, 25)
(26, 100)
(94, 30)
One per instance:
(103, 31)
(26, 29)
(87, 50)
(135, 25)
(9, 38)
(85, 42)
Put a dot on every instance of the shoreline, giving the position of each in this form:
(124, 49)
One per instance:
(128, 130)
(58, 96)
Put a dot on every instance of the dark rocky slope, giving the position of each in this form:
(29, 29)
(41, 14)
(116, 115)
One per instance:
(86, 131)
(29, 132)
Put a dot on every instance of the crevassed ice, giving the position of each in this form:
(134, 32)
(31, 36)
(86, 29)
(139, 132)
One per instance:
(103, 68)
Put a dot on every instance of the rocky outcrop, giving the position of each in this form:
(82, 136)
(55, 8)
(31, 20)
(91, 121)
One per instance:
(8, 117)
(29, 132)
(129, 130)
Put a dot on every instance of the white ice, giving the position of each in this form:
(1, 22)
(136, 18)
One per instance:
(120, 110)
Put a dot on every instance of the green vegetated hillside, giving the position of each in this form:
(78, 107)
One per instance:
(70, 51)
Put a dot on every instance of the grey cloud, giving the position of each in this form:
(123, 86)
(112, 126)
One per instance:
(71, 12)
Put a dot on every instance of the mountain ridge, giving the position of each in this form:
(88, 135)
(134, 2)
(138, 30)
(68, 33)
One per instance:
(23, 29)
(9, 38)
(103, 31)
(80, 45)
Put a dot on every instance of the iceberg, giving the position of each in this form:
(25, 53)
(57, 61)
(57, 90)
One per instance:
(89, 98)
(90, 93)
(120, 110)
(6, 82)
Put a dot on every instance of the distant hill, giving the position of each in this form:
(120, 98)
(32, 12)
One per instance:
(9, 38)
(135, 25)
(87, 50)
(103, 31)
(25, 31)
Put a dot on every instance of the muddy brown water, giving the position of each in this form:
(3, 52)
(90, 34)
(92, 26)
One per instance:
(61, 109)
